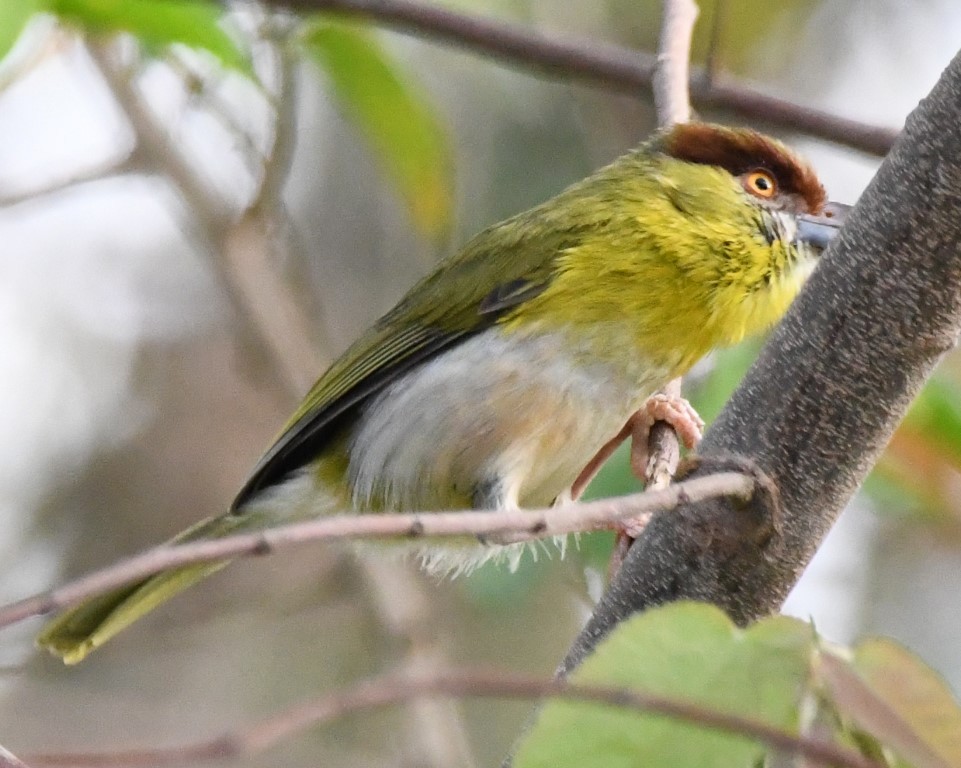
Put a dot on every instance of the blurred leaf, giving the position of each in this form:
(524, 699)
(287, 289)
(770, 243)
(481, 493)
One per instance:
(894, 697)
(897, 497)
(690, 652)
(918, 474)
(404, 131)
(752, 34)
(157, 24)
(936, 414)
(14, 15)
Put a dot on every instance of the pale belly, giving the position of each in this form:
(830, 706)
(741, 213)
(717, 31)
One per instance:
(495, 422)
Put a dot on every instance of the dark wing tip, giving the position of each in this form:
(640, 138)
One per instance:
(739, 150)
(304, 440)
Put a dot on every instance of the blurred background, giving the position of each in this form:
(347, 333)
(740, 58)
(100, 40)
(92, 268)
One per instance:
(189, 238)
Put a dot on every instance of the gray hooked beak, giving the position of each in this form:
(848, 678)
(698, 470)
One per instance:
(818, 231)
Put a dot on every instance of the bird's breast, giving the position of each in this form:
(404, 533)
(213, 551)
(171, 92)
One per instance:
(516, 414)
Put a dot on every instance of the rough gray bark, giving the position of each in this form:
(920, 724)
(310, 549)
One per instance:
(827, 392)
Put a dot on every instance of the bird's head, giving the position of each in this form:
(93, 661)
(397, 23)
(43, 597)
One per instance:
(699, 237)
(752, 215)
(789, 201)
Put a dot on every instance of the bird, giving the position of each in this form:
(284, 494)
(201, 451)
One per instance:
(503, 374)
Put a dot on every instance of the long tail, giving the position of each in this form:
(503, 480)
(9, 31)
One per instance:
(77, 632)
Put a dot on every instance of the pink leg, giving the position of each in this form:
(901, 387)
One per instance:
(594, 465)
(677, 412)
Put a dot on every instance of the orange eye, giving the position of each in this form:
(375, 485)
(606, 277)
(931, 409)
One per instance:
(760, 183)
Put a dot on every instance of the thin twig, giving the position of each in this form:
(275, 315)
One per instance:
(538, 523)
(392, 689)
(111, 167)
(663, 448)
(9, 760)
(279, 159)
(671, 97)
(243, 277)
(202, 87)
(157, 146)
(438, 735)
(615, 67)
(673, 105)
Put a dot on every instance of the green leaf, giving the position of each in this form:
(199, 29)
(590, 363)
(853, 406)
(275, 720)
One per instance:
(893, 696)
(14, 15)
(404, 131)
(157, 24)
(690, 652)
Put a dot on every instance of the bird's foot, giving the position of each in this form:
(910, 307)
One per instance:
(675, 411)
(687, 424)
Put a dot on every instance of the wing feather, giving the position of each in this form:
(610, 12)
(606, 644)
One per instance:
(407, 336)
(500, 269)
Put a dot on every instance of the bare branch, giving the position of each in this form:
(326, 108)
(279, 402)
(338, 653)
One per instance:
(673, 105)
(671, 97)
(519, 525)
(277, 162)
(157, 146)
(270, 306)
(615, 67)
(9, 760)
(202, 85)
(392, 689)
(263, 309)
(109, 168)
(408, 612)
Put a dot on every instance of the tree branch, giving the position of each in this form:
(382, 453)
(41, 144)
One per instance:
(249, 253)
(156, 146)
(827, 392)
(110, 167)
(392, 689)
(671, 96)
(607, 65)
(672, 104)
(9, 760)
(517, 525)
(279, 159)
(655, 453)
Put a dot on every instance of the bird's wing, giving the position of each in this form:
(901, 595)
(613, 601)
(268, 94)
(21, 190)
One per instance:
(459, 299)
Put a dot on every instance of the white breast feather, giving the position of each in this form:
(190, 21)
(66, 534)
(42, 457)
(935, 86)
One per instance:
(531, 410)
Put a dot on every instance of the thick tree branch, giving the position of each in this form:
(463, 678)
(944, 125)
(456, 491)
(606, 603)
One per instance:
(828, 390)
(607, 65)
(389, 690)
(514, 525)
